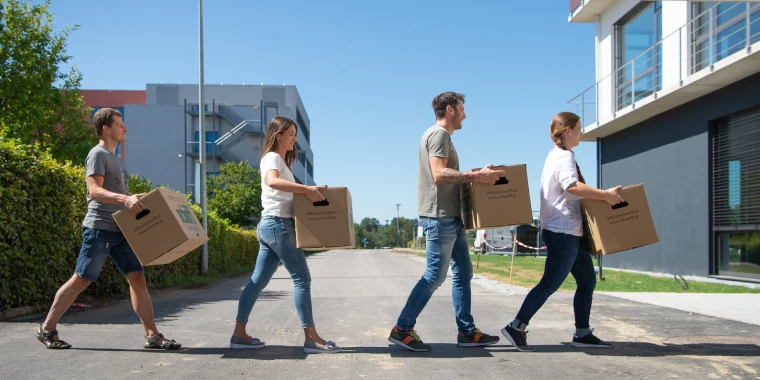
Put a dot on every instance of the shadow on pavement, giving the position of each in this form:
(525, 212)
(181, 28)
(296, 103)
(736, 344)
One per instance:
(621, 349)
(165, 308)
(275, 352)
(640, 349)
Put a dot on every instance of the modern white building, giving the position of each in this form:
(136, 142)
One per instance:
(675, 105)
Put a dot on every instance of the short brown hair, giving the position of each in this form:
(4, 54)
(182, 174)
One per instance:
(444, 100)
(103, 117)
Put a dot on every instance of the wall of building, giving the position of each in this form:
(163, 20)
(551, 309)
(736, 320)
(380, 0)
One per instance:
(670, 155)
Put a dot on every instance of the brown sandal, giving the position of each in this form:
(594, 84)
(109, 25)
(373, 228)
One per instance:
(167, 344)
(46, 337)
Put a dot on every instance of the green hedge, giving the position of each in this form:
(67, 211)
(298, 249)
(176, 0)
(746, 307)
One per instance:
(42, 204)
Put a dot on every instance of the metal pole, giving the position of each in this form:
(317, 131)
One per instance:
(749, 35)
(633, 82)
(598, 102)
(397, 230)
(387, 223)
(583, 110)
(710, 41)
(680, 57)
(514, 251)
(261, 125)
(201, 122)
(184, 151)
(538, 235)
(213, 135)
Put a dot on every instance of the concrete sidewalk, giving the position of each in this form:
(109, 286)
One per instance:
(741, 307)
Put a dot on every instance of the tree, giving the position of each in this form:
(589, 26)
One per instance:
(370, 224)
(235, 194)
(39, 103)
(379, 235)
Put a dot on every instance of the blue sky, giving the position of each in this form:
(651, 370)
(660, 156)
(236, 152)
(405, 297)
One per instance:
(367, 73)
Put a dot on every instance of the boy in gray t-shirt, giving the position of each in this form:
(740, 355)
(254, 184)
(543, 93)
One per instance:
(107, 192)
(439, 181)
(111, 167)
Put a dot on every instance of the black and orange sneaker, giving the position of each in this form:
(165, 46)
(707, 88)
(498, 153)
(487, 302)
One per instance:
(408, 339)
(476, 338)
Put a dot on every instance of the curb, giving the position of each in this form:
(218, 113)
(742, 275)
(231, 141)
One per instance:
(21, 312)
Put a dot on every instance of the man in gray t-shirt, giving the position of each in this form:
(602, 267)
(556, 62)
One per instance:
(437, 200)
(107, 192)
(439, 182)
(111, 167)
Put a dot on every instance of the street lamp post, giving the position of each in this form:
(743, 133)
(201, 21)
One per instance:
(397, 230)
(387, 222)
(202, 147)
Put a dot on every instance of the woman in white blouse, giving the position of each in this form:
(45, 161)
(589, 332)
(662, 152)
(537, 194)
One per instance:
(277, 238)
(562, 187)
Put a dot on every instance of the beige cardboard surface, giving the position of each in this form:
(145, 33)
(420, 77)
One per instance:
(621, 227)
(325, 225)
(507, 203)
(167, 225)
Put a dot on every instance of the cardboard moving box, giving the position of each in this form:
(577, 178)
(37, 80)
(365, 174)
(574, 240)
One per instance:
(621, 227)
(327, 224)
(506, 203)
(166, 230)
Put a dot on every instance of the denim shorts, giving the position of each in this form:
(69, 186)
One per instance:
(99, 244)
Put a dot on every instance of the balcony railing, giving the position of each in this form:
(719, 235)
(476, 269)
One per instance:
(707, 39)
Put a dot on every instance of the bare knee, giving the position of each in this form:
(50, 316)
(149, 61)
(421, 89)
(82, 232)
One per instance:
(136, 280)
(77, 283)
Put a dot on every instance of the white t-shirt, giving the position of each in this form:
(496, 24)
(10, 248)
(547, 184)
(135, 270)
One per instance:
(560, 210)
(275, 202)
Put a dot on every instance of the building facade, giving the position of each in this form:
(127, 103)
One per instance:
(676, 106)
(116, 99)
(164, 137)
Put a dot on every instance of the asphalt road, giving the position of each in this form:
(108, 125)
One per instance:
(357, 296)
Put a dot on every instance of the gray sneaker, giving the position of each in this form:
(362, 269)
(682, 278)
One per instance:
(330, 347)
(244, 344)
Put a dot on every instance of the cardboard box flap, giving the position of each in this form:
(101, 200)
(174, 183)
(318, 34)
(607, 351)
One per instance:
(168, 257)
(189, 245)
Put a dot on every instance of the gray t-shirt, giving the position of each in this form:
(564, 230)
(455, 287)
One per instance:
(115, 179)
(433, 200)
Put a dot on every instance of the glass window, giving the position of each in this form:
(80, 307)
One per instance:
(302, 158)
(210, 145)
(302, 126)
(639, 56)
(736, 194)
(734, 184)
(739, 254)
(720, 29)
(269, 113)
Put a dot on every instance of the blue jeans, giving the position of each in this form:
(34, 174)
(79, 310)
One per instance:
(277, 238)
(565, 254)
(446, 243)
(99, 244)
